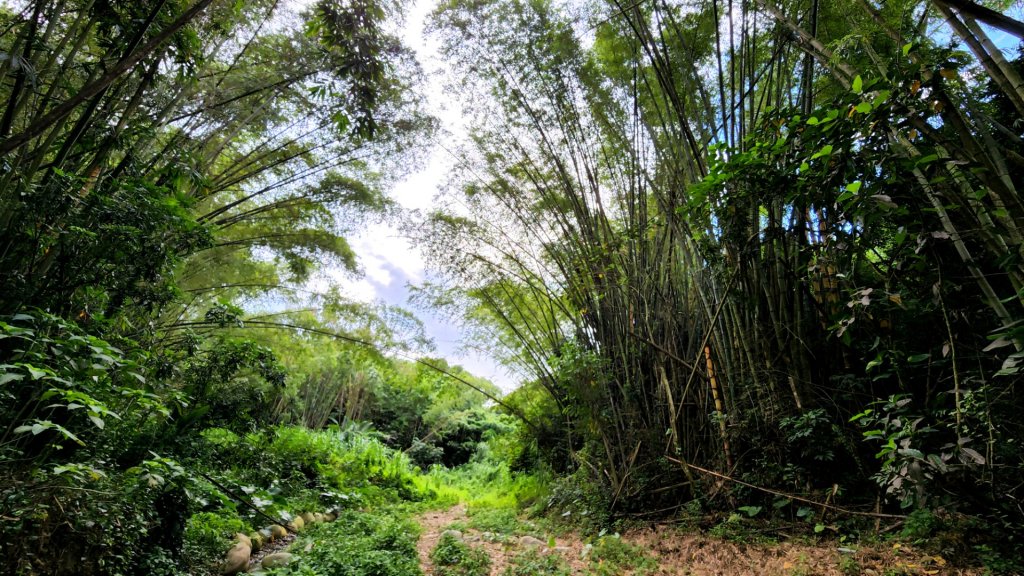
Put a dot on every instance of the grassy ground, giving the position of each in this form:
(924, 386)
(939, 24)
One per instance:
(472, 521)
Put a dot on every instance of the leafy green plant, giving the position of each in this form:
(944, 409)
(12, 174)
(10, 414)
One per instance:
(208, 535)
(849, 566)
(811, 439)
(920, 525)
(611, 555)
(736, 527)
(453, 557)
(998, 563)
(104, 519)
(424, 454)
(912, 452)
(63, 388)
(490, 519)
(362, 544)
(533, 563)
(581, 499)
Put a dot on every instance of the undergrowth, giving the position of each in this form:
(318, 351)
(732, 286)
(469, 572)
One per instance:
(611, 556)
(533, 563)
(358, 544)
(289, 470)
(453, 557)
(482, 483)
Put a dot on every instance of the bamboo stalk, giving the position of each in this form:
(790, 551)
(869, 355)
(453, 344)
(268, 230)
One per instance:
(713, 381)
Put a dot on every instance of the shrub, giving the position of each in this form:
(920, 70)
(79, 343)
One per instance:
(423, 454)
(363, 544)
(208, 535)
(90, 518)
(500, 520)
(533, 563)
(611, 555)
(581, 499)
(453, 557)
(920, 524)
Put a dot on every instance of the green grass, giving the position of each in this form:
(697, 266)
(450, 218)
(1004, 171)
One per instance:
(493, 519)
(293, 469)
(484, 484)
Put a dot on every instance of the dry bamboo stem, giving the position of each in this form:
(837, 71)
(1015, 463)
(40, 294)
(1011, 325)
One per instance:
(718, 407)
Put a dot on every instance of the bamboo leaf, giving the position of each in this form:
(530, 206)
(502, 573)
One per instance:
(10, 377)
(973, 455)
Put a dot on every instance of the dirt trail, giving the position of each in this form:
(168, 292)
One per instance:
(682, 553)
(500, 548)
(434, 524)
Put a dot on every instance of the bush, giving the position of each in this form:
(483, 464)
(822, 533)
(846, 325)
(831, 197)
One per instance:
(920, 524)
(362, 544)
(423, 454)
(533, 563)
(208, 535)
(500, 520)
(453, 557)
(580, 499)
(611, 555)
(88, 518)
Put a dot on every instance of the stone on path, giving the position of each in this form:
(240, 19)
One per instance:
(237, 559)
(453, 533)
(531, 542)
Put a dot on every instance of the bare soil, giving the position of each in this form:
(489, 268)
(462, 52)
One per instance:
(694, 554)
(680, 552)
(500, 548)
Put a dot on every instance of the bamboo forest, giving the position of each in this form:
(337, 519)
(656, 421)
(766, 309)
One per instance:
(511, 287)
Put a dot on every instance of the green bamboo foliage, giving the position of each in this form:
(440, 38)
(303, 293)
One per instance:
(713, 232)
(238, 136)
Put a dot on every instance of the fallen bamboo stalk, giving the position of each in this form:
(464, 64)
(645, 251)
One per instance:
(785, 495)
(245, 501)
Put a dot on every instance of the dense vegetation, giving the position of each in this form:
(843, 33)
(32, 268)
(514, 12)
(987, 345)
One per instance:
(768, 242)
(751, 258)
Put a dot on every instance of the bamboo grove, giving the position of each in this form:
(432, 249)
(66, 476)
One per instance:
(166, 163)
(777, 241)
(202, 131)
(169, 169)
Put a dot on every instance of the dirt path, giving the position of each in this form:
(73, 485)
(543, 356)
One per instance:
(681, 553)
(434, 524)
(501, 548)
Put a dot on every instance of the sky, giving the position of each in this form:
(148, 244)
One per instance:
(389, 261)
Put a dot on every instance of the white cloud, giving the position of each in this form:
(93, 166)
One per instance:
(382, 251)
(388, 260)
(359, 289)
